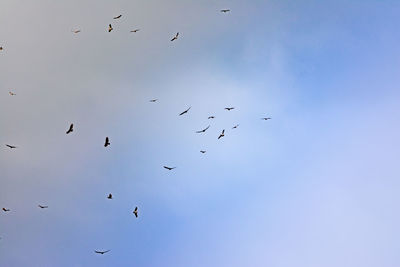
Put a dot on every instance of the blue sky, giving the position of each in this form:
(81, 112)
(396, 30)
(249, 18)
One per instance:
(315, 186)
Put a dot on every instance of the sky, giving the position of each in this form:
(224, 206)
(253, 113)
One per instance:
(317, 185)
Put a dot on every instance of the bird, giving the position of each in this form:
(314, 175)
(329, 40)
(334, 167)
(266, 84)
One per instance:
(11, 93)
(222, 134)
(76, 31)
(183, 112)
(107, 143)
(135, 30)
(10, 146)
(225, 10)
(43, 207)
(203, 151)
(211, 117)
(101, 252)
(110, 28)
(1, 48)
(117, 17)
(153, 100)
(136, 212)
(5, 210)
(175, 37)
(267, 118)
(169, 168)
(109, 196)
(204, 130)
(71, 129)
(234, 127)
(228, 109)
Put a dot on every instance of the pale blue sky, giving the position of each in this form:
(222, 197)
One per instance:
(315, 186)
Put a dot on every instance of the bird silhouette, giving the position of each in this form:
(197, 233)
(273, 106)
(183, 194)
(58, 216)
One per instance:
(110, 28)
(234, 127)
(228, 109)
(267, 118)
(43, 207)
(11, 93)
(175, 37)
(136, 212)
(76, 31)
(101, 252)
(135, 30)
(204, 130)
(117, 17)
(5, 210)
(203, 151)
(10, 146)
(110, 196)
(183, 112)
(225, 10)
(71, 129)
(211, 117)
(222, 134)
(107, 142)
(153, 100)
(169, 168)
(1, 48)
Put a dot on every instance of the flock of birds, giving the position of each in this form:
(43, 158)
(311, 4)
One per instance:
(107, 140)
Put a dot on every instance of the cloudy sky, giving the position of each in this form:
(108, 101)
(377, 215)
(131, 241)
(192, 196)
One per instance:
(315, 186)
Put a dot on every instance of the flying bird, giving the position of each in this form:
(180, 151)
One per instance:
(175, 37)
(107, 143)
(169, 168)
(211, 117)
(265, 119)
(10, 146)
(204, 130)
(43, 207)
(71, 129)
(136, 212)
(5, 210)
(76, 31)
(222, 134)
(153, 100)
(135, 30)
(225, 10)
(101, 252)
(1, 48)
(109, 196)
(228, 109)
(110, 28)
(117, 17)
(234, 127)
(183, 112)
(203, 151)
(11, 93)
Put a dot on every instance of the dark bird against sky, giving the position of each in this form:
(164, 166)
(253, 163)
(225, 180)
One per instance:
(107, 142)
(229, 109)
(101, 252)
(222, 134)
(234, 127)
(169, 168)
(211, 117)
(153, 100)
(135, 30)
(183, 112)
(204, 130)
(109, 196)
(175, 37)
(11, 93)
(5, 210)
(43, 207)
(117, 17)
(10, 146)
(267, 118)
(136, 212)
(71, 129)
(110, 28)
(225, 10)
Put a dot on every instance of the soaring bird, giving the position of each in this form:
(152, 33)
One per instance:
(110, 28)
(153, 100)
(169, 168)
(43, 207)
(135, 30)
(175, 37)
(222, 134)
(117, 17)
(225, 10)
(109, 196)
(101, 252)
(10, 146)
(211, 117)
(76, 31)
(183, 112)
(228, 109)
(204, 130)
(267, 118)
(136, 212)
(5, 210)
(71, 129)
(234, 127)
(11, 93)
(203, 151)
(107, 143)
(1, 48)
